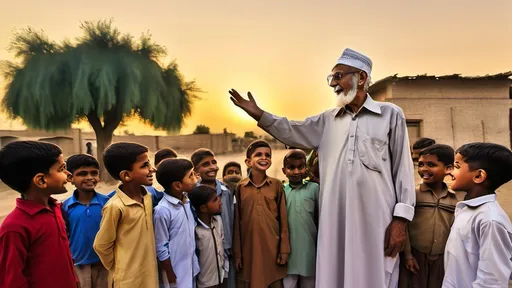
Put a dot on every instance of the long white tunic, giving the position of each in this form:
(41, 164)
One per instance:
(366, 178)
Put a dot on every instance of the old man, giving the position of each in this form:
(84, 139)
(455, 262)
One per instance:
(366, 177)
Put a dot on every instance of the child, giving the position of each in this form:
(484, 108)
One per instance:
(34, 248)
(302, 207)
(82, 213)
(160, 155)
(205, 165)
(232, 174)
(419, 145)
(174, 224)
(433, 217)
(479, 249)
(261, 243)
(209, 236)
(125, 241)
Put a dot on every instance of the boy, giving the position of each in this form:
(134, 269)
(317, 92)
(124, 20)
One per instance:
(209, 236)
(232, 174)
(160, 155)
(434, 213)
(479, 249)
(419, 145)
(302, 207)
(82, 213)
(205, 165)
(125, 241)
(175, 224)
(34, 248)
(261, 243)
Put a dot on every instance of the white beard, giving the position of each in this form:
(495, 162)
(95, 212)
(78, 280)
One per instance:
(343, 98)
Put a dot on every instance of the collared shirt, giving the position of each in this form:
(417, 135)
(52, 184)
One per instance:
(227, 214)
(175, 238)
(156, 195)
(367, 177)
(302, 207)
(211, 256)
(83, 223)
(433, 218)
(261, 231)
(479, 250)
(34, 247)
(126, 241)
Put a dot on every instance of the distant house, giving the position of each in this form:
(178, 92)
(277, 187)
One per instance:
(452, 109)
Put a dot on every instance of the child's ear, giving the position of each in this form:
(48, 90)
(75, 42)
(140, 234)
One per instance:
(176, 185)
(39, 181)
(480, 176)
(448, 169)
(70, 177)
(125, 176)
(284, 170)
(203, 209)
(248, 162)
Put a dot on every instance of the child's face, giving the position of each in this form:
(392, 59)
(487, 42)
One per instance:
(431, 170)
(85, 178)
(142, 171)
(260, 160)
(233, 175)
(57, 177)
(207, 169)
(214, 206)
(463, 175)
(295, 170)
(189, 181)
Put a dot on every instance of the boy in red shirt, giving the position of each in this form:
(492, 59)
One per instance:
(34, 247)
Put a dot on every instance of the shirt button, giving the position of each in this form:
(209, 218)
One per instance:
(351, 136)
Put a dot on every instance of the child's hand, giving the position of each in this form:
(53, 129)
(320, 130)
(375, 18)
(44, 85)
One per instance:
(171, 278)
(282, 259)
(238, 264)
(412, 265)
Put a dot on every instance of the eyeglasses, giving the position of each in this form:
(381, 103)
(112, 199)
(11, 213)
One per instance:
(338, 76)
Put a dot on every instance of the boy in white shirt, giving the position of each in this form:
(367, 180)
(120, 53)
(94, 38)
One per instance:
(479, 249)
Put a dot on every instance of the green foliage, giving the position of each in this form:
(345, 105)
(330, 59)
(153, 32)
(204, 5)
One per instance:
(202, 129)
(250, 135)
(104, 76)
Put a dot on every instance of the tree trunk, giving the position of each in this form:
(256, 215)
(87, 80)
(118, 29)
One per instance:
(103, 139)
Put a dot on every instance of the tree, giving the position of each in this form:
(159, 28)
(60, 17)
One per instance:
(250, 135)
(104, 77)
(202, 129)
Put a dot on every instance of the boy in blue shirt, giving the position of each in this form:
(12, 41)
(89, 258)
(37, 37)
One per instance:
(82, 213)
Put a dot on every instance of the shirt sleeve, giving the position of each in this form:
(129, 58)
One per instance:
(106, 237)
(402, 169)
(303, 134)
(494, 264)
(284, 245)
(13, 255)
(162, 221)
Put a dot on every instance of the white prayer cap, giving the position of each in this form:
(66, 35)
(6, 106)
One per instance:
(357, 60)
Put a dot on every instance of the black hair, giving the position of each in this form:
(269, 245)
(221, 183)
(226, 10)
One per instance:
(20, 161)
(81, 160)
(444, 153)
(201, 195)
(255, 145)
(200, 154)
(172, 170)
(163, 154)
(121, 156)
(423, 143)
(494, 159)
(295, 154)
(231, 164)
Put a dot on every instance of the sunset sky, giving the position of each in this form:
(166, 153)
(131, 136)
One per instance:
(282, 50)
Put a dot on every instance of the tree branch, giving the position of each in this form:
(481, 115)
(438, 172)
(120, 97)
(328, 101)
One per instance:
(95, 122)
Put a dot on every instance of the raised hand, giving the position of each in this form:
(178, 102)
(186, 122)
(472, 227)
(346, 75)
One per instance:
(248, 106)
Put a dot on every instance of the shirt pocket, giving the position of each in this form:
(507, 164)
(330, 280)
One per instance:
(472, 248)
(309, 205)
(371, 151)
(271, 204)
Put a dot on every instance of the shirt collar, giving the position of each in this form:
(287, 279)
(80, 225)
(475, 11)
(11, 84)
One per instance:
(175, 201)
(369, 104)
(74, 199)
(479, 201)
(219, 186)
(127, 201)
(213, 223)
(424, 188)
(248, 180)
(31, 207)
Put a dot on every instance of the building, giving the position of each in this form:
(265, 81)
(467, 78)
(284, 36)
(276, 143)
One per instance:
(452, 109)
